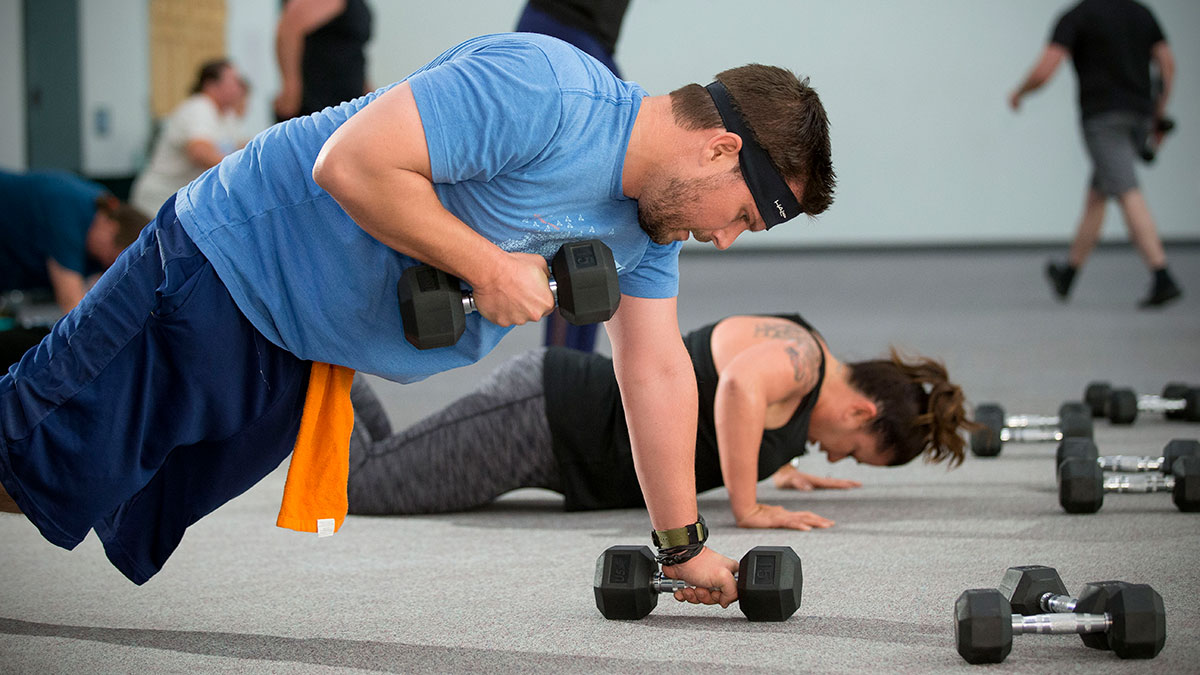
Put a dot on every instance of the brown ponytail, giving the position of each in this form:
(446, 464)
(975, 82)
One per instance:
(920, 410)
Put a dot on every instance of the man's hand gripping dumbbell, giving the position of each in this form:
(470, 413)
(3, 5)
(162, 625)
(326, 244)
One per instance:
(433, 306)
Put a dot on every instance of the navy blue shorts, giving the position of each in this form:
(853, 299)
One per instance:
(148, 406)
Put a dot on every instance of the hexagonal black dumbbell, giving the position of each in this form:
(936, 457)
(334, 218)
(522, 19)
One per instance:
(1082, 484)
(433, 306)
(1135, 624)
(628, 581)
(1035, 589)
(1096, 397)
(1085, 447)
(1178, 401)
(1074, 420)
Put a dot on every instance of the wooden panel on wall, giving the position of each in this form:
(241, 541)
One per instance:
(183, 35)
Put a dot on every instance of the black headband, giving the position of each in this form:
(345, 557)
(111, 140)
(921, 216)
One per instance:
(774, 199)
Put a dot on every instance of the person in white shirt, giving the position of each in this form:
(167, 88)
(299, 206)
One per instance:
(194, 137)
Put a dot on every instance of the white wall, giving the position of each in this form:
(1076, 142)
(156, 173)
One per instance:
(12, 86)
(115, 81)
(250, 43)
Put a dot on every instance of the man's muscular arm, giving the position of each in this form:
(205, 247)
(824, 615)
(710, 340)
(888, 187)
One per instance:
(658, 391)
(377, 167)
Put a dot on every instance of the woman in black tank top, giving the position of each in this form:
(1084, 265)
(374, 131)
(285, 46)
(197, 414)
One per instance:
(767, 386)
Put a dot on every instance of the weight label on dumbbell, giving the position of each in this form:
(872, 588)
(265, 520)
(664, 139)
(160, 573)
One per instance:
(427, 279)
(584, 256)
(618, 571)
(764, 570)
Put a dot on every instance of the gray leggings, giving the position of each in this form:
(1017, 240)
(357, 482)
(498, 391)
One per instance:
(491, 441)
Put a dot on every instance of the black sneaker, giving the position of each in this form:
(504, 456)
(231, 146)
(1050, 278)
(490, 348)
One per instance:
(1060, 276)
(1160, 295)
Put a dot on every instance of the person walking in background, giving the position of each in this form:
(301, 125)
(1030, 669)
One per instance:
(593, 26)
(195, 136)
(319, 47)
(1112, 43)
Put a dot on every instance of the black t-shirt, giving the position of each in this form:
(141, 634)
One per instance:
(599, 18)
(1110, 42)
(334, 66)
(591, 440)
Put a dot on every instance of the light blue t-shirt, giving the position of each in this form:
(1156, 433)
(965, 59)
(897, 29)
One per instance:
(527, 138)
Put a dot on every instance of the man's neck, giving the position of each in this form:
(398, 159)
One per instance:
(650, 143)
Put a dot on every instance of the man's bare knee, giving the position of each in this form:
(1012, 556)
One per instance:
(7, 504)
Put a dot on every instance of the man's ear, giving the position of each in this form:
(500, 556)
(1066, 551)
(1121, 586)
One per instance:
(723, 146)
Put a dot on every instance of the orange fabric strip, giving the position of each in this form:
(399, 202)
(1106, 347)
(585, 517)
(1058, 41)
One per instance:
(316, 480)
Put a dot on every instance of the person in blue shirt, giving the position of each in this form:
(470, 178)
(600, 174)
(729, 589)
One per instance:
(57, 230)
(186, 366)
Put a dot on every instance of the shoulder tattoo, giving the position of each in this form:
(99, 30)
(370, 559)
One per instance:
(804, 356)
(776, 330)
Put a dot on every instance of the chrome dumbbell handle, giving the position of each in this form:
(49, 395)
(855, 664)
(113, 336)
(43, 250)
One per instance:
(1153, 403)
(1026, 421)
(1139, 483)
(664, 584)
(1057, 604)
(468, 299)
(1130, 463)
(1058, 624)
(1030, 434)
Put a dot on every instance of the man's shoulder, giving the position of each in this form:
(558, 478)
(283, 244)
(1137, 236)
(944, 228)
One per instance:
(538, 56)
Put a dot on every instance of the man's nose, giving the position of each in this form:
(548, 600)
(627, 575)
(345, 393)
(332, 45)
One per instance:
(723, 239)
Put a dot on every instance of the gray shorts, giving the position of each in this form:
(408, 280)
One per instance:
(1112, 140)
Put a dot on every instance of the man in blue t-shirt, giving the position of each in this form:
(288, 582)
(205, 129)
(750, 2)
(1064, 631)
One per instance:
(482, 164)
(1112, 44)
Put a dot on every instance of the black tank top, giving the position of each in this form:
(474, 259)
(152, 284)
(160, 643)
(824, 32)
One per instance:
(591, 440)
(334, 66)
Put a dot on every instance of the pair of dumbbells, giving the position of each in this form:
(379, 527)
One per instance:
(1128, 619)
(433, 306)
(627, 583)
(1178, 401)
(1073, 420)
(1082, 483)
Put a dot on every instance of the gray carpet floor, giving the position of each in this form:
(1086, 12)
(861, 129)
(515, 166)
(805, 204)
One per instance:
(508, 588)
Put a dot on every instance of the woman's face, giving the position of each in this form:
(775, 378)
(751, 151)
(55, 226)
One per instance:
(860, 443)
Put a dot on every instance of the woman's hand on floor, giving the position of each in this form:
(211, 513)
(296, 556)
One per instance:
(788, 478)
(766, 516)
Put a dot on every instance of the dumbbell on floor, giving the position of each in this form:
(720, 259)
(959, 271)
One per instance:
(1177, 402)
(1072, 421)
(1037, 589)
(1086, 448)
(1098, 396)
(433, 306)
(1135, 624)
(1082, 484)
(628, 581)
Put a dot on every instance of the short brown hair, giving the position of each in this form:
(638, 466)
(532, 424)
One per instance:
(784, 114)
(210, 71)
(920, 411)
(130, 221)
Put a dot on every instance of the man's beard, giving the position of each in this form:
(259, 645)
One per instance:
(662, 209)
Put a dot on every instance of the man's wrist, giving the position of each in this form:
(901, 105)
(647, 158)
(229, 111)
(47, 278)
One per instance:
(681, 544)
(693, 533)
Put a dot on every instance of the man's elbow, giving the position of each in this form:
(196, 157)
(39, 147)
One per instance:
(330, 169)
